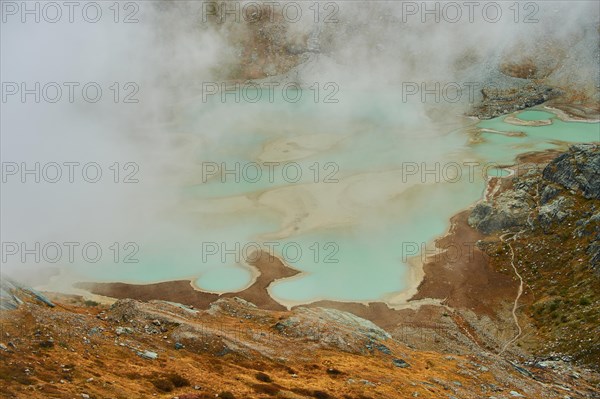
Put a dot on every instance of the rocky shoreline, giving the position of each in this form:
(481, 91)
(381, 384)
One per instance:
(270, 269)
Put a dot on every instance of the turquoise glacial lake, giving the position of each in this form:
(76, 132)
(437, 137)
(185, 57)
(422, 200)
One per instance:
(357, 188)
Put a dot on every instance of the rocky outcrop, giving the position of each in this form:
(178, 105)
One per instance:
(589, 227)
(541, 199)
(500, 101)
(510, 209)
(313, 67)
(137, 313)
(333, 328)
(322, 327)
(577, 169)
(13, 294)
(555, 211)
(548, 192)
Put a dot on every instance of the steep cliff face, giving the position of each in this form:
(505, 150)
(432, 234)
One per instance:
(551, 212)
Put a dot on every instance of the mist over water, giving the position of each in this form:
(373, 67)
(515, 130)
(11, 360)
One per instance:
(153, 152)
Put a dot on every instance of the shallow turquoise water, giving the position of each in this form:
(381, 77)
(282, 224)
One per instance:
(569, 132)
(379, 213)
(530, 115)
(497, 172)
(370, 261)
(502, 149)
(224, 279)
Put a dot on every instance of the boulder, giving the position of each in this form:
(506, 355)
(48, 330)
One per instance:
(400, 363)
(332, 328)
(148, 355)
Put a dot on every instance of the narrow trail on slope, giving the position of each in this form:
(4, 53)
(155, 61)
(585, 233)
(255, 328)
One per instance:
(519, 293)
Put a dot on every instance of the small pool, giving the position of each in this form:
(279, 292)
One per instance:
(224, 278)
(497, 172)
(534, 115)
